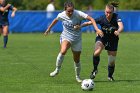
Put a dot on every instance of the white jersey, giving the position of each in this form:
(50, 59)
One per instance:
(69, 23)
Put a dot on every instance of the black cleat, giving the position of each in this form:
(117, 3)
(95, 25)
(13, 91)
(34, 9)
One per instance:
(93, 74)
(111, 79)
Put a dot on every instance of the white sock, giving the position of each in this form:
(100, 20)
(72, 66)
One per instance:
(59, 61)
(77, 69)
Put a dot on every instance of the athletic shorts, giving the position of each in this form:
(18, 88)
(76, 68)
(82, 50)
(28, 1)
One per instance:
(3, 24)
(75, 45)
(110, 44)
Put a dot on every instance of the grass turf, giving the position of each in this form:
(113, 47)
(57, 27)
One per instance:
(26, 63)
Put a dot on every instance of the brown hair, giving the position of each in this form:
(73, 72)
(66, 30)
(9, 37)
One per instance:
(68, 4)
(112, 4)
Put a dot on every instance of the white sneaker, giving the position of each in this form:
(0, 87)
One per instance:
(54, 73)
(78, 79)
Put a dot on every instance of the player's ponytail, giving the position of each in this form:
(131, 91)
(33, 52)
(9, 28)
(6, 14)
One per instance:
(113, 5)
(68, 4)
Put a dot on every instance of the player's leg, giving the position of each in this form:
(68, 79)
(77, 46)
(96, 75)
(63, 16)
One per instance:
(111, 64)
(112, 52)
(65, 45)
(96, 57)
(1, 30)
(76, 50)
(77, 65)
(5, 35)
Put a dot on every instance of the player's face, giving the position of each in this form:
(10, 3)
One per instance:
(108, 12)
(2, 1)
(69, 11)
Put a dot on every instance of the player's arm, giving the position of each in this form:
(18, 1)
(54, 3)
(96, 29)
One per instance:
(120, 24)
(120, 27)
(14, 9)
(86, 24)
(50, 26)
(5, 8)
(83, 25)
(98, 31)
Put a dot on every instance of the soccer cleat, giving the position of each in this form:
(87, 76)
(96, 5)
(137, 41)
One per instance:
(78, 79)
(54, 73)
(111, 79)
(93, 74)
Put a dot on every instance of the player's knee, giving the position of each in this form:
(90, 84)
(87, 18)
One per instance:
(96, 53)
(63, 52)
(76, 60)
(111, 60)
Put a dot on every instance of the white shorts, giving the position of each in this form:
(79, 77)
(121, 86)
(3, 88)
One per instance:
(75, 45)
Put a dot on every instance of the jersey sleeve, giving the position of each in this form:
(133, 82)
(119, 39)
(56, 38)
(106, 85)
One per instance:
(11, 7)
(59, 16)
(119, 19)
(82, 14)
(98, 20)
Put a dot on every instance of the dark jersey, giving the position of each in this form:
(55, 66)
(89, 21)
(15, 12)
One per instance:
(4, 15)
(110, 40)
(106, 26)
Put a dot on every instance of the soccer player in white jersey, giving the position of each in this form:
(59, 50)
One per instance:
(70, 37)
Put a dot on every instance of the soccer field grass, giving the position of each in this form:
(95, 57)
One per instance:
(26, 63)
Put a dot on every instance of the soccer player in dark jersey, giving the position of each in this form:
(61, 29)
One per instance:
(4, 23)
(111, 26)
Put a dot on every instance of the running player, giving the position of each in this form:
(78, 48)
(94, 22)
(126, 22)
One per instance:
(111, 26)
(70, 37)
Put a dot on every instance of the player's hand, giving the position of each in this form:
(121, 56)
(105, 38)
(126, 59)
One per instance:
(13, 14)
(100, 33)
(8, 5)
(76, 27)
(47, 32)
(117, 33)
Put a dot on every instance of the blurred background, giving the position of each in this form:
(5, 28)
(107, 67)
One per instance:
(79, 4)
(35, 16)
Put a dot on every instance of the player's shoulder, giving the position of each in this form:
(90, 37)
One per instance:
(117, 17)
(102, 17)
(115, 14)
(78, 12)
(63, 13)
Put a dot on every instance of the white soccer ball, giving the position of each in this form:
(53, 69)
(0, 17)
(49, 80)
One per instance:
(87, 84)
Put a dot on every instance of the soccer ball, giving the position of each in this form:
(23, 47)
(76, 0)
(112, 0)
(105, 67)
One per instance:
(87, 84)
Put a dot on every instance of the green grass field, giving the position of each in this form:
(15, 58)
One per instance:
(26, 63)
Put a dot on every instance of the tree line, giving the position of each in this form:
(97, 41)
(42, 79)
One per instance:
(79, 4)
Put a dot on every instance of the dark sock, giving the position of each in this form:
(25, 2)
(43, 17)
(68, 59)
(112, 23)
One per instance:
(5, 40)
(96, 60)
(111, 70)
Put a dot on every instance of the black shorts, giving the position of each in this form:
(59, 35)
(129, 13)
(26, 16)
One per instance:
(3, 24)
(111, 44)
